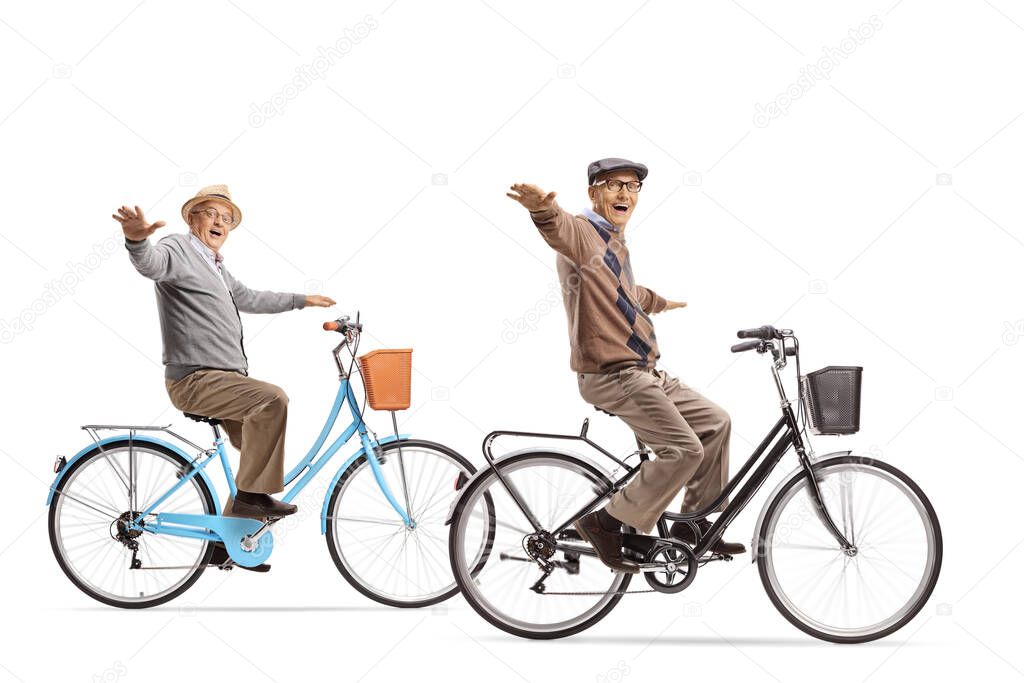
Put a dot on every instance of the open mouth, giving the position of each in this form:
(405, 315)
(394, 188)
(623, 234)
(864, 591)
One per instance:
(620, 208)
(215, 232)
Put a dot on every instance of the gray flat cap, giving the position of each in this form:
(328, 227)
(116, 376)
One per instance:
(612, 164)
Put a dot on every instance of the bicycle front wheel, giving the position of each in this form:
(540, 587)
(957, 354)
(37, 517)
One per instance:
(858, 596)
(503, 588)
(370, 544)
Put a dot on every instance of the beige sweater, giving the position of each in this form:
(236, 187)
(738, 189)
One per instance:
(609, 327)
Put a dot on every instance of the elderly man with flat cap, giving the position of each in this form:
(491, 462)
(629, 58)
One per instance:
(614, 352)
(206, 369)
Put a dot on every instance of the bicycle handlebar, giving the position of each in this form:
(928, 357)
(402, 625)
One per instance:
(762, 337)
(763, 332)
(745, 346)
(343, 325)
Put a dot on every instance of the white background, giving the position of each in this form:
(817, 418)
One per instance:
(879, 218)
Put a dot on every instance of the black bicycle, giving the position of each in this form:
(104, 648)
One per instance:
(848, 547)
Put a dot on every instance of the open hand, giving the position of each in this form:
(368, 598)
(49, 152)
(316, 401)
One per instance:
(134, 224)
(531, 196)
(674, 304)
(319, 300)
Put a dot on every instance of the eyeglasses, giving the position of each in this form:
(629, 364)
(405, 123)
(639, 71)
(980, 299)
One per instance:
(616, 185)
(212, 215)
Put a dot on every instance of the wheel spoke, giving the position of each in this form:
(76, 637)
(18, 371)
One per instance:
(405, 565)
(860, 594)
(92, 539)
(551, 485)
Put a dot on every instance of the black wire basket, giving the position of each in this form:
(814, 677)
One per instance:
(832, 399)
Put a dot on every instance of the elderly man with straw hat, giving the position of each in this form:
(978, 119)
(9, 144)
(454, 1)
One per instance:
(206, 369)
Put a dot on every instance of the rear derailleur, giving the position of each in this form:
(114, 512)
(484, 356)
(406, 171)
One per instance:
(122, 531)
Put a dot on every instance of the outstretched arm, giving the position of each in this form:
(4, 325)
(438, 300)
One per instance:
(262, 301)
(651, 302)
(152, 262)
(557, 226)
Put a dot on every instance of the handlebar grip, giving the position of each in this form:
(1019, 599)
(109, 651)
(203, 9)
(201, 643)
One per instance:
(745, 346)
(790, 350)
(763, 332)
(331, 326)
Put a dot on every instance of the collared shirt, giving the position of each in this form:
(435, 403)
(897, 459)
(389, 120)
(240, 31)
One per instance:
(212, 258)
(595, 217)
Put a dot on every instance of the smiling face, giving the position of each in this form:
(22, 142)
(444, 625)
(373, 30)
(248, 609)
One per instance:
(616, 207)
(211, 231)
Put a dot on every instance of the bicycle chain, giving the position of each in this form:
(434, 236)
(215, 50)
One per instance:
(650, 590)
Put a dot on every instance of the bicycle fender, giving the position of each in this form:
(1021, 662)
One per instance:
(498, 461)
(341, 470)
(794, 474)
(149, 439)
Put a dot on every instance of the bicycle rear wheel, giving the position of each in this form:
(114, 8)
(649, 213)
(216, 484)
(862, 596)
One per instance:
(851, 598)
(371, 546)
(90, 537)
(580, 592)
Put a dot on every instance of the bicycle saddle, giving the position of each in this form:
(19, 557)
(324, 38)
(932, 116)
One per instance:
(202, 418)
(639, 444)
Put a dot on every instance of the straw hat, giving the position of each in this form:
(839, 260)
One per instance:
(212, 192)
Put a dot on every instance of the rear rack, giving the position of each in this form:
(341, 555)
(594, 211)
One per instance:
(92, 429)
(582, 436)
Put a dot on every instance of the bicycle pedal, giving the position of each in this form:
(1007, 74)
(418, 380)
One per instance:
(718, 556)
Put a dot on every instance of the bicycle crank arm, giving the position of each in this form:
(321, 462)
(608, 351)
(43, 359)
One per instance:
(252, 542)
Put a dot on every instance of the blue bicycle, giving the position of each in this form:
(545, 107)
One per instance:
(135, 520)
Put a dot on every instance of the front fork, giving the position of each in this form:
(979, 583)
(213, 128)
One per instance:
(371, 457)
(815, 491)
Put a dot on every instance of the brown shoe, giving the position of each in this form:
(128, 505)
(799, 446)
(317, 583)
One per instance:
(229, 508)
(684, 532)
(608, 544)
(259, 506)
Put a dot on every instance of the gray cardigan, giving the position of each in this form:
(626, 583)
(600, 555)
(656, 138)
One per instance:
(199, 319)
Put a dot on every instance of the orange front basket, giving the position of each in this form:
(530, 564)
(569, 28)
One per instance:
(387, 374)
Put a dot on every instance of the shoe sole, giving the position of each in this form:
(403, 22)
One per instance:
(586, 537)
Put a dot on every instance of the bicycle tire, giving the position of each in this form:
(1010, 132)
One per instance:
(918, 602)
(467, 578)
(55, 544)
(333, 538)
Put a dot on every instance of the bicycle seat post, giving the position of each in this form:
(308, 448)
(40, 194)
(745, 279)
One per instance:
(642, 449)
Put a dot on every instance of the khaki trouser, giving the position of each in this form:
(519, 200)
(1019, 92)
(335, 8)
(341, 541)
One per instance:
(688, 433)
(253, 413)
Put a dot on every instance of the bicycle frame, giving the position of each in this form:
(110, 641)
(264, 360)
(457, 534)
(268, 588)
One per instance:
(216, 527)
(310, 462)
(772, 447)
